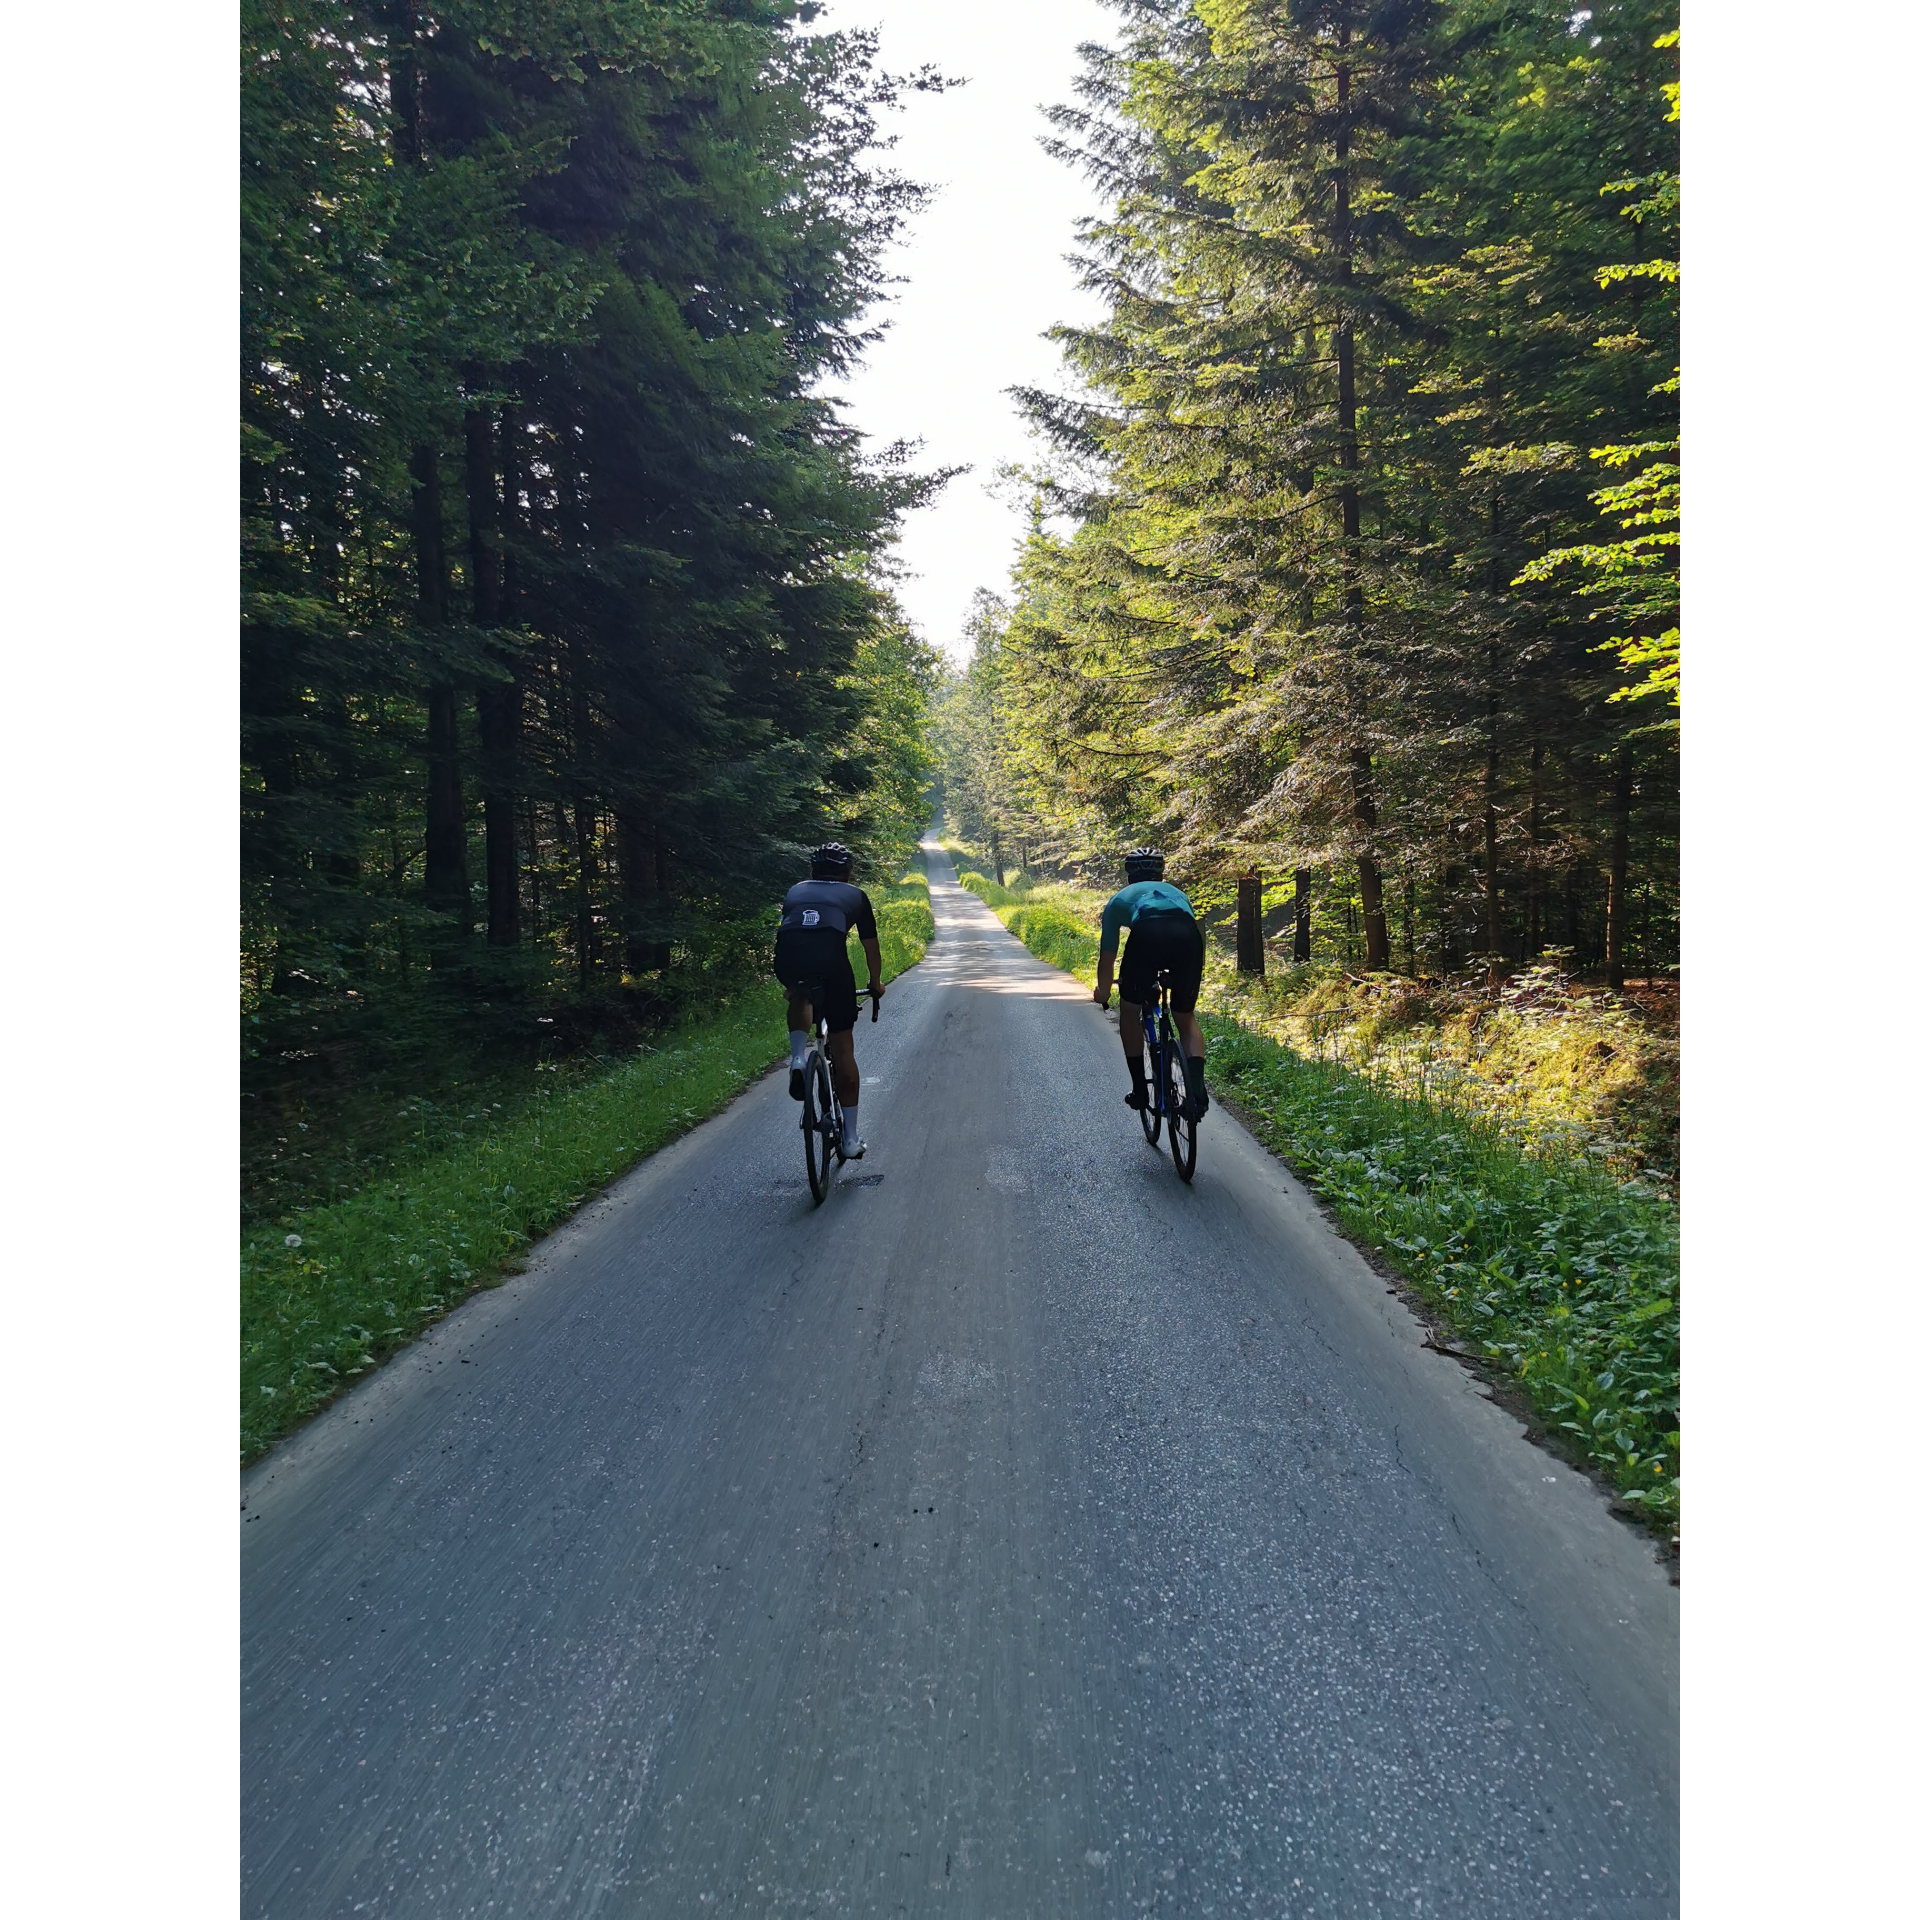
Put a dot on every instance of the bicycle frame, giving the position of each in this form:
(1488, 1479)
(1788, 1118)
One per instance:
(1163, 1047)
(826, 1120)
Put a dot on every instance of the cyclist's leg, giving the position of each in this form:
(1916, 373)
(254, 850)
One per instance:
(1133, 1043)
(799, 1025)
(840, 1008)
(846, 1069)
(1136, 982)
(797, 954)
(1186, 960)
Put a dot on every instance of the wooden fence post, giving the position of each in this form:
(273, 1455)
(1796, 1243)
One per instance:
(1250, 948)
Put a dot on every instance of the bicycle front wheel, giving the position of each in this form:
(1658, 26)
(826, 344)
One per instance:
(1183, 1131)
(816, 1123)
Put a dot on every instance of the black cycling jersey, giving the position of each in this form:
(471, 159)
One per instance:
(836, 905)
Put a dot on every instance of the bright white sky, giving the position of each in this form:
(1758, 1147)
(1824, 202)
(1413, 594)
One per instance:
(985, 271)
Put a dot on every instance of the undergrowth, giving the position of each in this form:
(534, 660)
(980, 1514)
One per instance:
(331, 1289)
(1554, 1063)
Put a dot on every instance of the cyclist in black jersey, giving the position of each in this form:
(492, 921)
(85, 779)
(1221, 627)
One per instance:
(810, 958)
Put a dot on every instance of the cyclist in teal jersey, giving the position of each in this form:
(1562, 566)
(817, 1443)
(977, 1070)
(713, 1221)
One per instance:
(1161, 933)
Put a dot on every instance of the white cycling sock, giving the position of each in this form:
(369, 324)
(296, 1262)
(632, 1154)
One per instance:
(851, 1115)
(796, 1047)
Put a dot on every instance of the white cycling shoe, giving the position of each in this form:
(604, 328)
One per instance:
(853, 1149)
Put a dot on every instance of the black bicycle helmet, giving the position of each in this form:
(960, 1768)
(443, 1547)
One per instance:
(832, 861)
(1146, 863)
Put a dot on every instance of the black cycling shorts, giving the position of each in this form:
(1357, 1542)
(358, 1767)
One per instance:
(815, 958)
(1171, 940)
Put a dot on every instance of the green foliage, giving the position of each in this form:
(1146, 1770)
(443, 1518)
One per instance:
(1292, 595)
(1056, 936)
(1553, 1064)
(995, 895)
(561, 577)
(1638, 577)
(904, 916)
(1545, 1268)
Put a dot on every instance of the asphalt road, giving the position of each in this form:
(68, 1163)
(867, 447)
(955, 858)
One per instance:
(1022, 1533)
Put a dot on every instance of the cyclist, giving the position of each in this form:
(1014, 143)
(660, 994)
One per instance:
(1162, 933)
(810, 951)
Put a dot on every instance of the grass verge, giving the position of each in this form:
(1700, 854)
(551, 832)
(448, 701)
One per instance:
(333, 1290)
(1544, 1265)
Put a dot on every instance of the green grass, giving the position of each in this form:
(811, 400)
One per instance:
(989, 889)
(332, 1290)
(1045, 918)
(1056, 936)
(904, 916)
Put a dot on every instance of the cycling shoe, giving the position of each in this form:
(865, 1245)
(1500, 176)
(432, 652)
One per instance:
(1137, 1101)
(797, 1082)
(1197, 1104)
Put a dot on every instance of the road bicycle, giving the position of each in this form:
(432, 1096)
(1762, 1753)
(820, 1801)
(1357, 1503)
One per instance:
(1166, 1065)
(820, 1123)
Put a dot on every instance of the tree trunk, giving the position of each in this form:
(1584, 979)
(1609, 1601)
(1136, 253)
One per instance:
(534, 898)
(583, 898)
(999, 870)
(640, 894)
(1617, 902)
(1373, 911)
(1250, 949)
(446, 870)
(1490, 895)
(1536, 933)
(1372, 899)
(499, 701)
(1302, 915)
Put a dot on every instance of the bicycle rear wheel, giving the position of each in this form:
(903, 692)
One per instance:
(1150, 1113)
(1183, 1132)
(816, 1123)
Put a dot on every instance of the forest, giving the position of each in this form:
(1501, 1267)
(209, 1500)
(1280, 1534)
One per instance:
(1354, 537)
(1351, 570)
(565, 617)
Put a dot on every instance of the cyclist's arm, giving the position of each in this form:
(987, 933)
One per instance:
(868, 929)
(1109, 948)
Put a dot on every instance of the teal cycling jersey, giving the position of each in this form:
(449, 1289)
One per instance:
(1126, 906)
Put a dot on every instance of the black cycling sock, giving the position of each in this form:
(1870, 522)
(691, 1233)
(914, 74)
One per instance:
(1197, 1075)
(1137, 1066)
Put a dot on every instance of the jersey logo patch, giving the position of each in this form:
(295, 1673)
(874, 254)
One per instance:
(810, 917)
